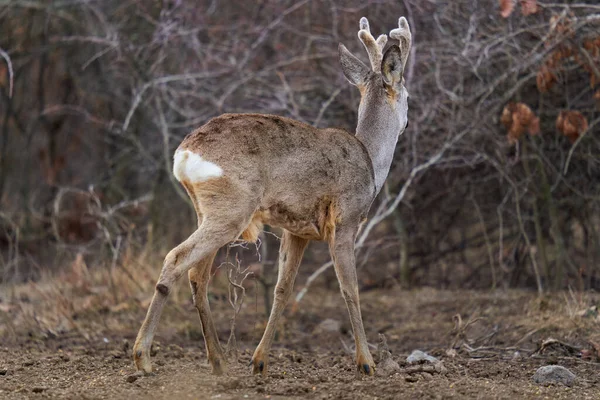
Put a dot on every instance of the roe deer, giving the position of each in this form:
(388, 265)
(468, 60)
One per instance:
(245, 170)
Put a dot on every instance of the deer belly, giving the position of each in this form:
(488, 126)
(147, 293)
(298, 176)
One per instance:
(314, 225)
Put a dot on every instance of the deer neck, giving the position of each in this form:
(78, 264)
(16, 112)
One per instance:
(379, 126)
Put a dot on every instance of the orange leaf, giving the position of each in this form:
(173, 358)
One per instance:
(518, 117)
(524, 114)
(528, 7)
(513, 136)
(506, 7)
(545, 79)
(571, 124)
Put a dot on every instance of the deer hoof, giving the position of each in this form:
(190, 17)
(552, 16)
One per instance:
(366, 369)
(259, 367)
(142, 362)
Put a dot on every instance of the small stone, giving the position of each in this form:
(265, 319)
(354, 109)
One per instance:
(132, 378)
(451, 353)
(3, 371)
(550, 374)
(411, 378)
(420, 356)
(387, 367)
(28, 363)
(39, 389)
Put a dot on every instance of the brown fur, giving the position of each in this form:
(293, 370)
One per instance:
(254, 229)
(315, 186)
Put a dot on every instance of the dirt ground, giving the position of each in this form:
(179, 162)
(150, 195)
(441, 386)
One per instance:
(490, 343)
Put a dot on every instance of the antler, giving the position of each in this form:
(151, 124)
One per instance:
(374, 47)
(403, 35)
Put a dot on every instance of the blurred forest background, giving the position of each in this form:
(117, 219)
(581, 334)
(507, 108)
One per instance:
(496, 181)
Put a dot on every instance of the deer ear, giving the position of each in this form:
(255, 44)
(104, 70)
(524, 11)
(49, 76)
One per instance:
(354, 70)
(391, 67)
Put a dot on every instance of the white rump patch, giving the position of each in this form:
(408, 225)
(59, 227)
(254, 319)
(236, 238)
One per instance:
(188, 165)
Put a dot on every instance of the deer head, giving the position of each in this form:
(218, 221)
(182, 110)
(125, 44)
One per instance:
(382, 113)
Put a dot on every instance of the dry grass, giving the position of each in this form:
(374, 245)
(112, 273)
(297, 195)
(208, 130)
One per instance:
(91, 303)
(82, 299)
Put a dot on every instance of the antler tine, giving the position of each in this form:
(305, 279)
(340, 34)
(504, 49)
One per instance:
(374, 47)
(403, 35)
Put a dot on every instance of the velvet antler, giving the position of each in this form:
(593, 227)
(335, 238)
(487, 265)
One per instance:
(403, 35)
(374, 47)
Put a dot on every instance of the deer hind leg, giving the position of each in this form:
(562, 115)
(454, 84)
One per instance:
(216, 230)
(290, 254)
(199, 277)
(341, 246)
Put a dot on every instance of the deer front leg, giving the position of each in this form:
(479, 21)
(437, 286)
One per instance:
(199, 278)
(342, 252)
(290, 254)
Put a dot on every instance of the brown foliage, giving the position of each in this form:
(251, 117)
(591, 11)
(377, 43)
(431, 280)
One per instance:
(587, 56)
(546, 78)
(506, 7)
(561, 26)
(557, 57)
(528, 7)
(571, 124)
(592, 45)
(518, 118)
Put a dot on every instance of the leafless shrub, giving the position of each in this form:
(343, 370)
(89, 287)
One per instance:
(236, 275)
(100, 93)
